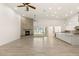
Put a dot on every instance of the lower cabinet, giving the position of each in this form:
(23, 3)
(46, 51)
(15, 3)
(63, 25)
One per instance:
(69, 38)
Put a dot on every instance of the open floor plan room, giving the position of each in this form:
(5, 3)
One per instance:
(39, 29)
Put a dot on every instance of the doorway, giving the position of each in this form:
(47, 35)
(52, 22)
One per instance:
(50, 31)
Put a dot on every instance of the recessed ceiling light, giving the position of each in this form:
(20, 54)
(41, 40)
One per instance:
(71, 12)
(59, 8)
(23, 15)
(55, 12)
(66, 14)
(77, 7)
(46, 15)
(50, 8)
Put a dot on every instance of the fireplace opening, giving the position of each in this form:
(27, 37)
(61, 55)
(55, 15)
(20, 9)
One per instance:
(27, 33)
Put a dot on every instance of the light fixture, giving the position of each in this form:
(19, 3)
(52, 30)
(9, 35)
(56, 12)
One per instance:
(50, 8)
(71, 12)
(55, 12)
(59, 8)
(66, 14)
(77, 7)
(46, 15)
(23, 15)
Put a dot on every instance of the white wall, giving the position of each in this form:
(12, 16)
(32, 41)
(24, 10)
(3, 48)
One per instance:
(9, 25)
(72, 22)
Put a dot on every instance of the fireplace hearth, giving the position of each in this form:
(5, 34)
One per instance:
(27, 33)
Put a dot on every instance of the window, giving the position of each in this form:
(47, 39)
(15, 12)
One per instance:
(57, 28)
(39, 30)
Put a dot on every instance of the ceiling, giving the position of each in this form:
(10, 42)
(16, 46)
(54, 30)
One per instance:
(47, 10)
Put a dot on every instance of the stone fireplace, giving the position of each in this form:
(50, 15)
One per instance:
(27, 33)
(26, 26)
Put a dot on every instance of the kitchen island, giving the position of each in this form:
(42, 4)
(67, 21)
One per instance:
(70, 38)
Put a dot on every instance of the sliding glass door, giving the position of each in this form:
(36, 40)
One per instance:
(39, 31)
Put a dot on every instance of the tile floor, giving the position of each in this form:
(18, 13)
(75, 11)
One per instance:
(38, 46)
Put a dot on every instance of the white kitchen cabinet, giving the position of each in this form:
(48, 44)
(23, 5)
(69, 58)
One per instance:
(71, 38)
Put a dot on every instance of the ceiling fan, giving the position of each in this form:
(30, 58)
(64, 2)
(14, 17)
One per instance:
(27, 5)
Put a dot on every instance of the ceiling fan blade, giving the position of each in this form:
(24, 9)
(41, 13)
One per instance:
(20, 6)
(32, 6)
(26, 3)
